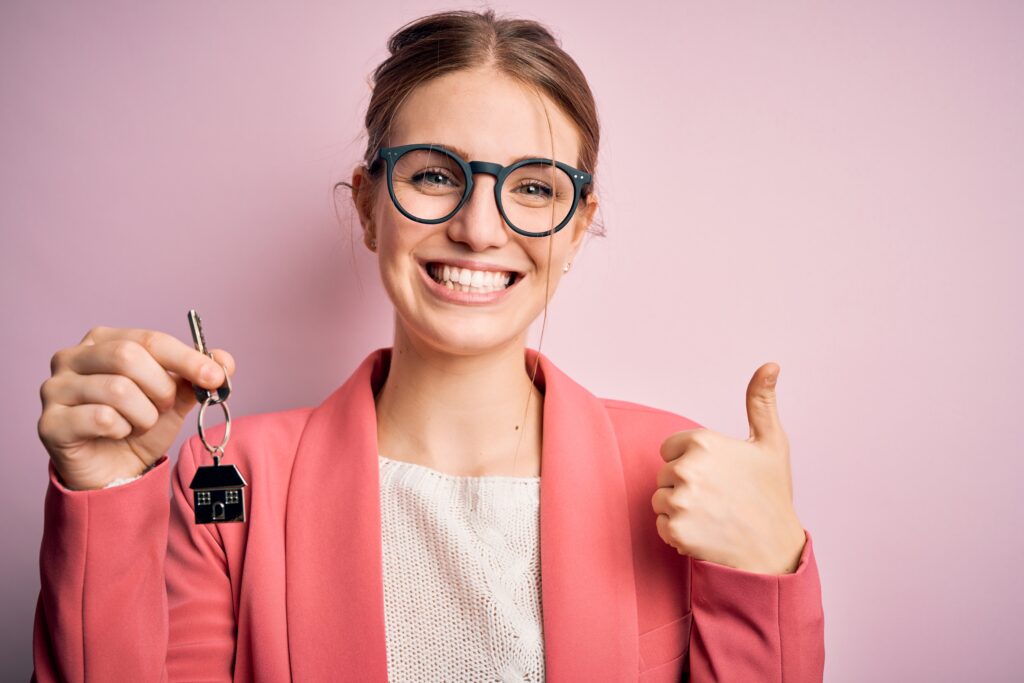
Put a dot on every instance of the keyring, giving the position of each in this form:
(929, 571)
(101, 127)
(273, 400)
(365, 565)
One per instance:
(227, 428)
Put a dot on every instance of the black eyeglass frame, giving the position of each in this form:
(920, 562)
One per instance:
(580, 179)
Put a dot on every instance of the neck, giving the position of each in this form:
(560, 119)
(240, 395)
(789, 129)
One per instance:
(468, 415)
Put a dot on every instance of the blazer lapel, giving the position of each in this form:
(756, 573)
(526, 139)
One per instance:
(333, 565)
(586, 555)
(334, 582)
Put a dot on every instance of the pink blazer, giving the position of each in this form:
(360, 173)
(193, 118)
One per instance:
(132, 590)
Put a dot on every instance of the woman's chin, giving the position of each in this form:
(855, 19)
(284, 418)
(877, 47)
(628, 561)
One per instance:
(465, 337)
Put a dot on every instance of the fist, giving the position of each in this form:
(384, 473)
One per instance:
(730, 501)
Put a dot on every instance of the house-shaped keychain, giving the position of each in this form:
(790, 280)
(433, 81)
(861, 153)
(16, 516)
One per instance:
(217, 494)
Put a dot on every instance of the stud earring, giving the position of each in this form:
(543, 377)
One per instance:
(373, 244)
(566, 269)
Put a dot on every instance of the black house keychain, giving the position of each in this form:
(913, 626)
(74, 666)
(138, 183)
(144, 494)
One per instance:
(217, 489)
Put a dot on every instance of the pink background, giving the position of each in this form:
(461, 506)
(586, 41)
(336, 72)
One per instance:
(835, 187)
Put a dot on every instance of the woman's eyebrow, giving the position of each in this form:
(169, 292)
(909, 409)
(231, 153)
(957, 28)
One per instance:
(465, 155)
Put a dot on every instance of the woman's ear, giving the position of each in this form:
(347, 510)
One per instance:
(361, 197)
(585, 216)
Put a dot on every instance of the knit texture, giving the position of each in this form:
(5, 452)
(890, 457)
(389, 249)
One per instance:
(461, 575)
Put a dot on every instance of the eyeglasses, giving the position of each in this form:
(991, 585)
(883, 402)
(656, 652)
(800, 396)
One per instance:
(535, 197)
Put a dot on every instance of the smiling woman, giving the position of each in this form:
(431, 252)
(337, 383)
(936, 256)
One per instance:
(459, 509)
(465, 85)
(458, 86)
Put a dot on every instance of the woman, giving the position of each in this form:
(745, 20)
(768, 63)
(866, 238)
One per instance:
(400, 529)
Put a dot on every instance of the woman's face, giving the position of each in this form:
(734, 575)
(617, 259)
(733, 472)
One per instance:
(491, 118)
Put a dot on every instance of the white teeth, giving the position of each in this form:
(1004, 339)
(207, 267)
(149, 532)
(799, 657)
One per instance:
(466, 280)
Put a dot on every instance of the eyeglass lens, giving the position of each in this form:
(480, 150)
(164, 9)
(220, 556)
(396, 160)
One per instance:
(429, 185)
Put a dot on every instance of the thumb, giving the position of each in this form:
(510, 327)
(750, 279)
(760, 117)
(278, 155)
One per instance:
(224, 358)
(186, 397)
(762, 405)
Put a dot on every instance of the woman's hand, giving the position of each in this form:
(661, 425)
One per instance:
(115, 402)
(730, 501)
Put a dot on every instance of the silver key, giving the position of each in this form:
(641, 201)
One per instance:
(196, 326)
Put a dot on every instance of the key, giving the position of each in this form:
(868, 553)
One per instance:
(218, 491)
(196, 326)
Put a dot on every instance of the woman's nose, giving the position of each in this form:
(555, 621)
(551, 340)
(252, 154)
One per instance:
(479, 223)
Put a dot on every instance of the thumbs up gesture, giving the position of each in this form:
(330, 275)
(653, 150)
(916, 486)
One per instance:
(730, 501)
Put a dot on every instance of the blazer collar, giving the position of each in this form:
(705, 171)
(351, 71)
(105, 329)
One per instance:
(334, 582)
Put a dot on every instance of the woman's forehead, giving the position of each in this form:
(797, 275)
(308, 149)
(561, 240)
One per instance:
(488, 116)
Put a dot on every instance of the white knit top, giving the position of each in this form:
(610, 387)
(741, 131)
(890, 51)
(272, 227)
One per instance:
(461, 575)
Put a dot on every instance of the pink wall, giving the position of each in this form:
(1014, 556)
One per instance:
(837, 189)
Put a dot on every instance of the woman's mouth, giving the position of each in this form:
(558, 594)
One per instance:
(466, 280)
(464, 285)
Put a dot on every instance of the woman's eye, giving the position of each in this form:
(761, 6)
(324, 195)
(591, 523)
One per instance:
(534, 189)
(432, 177)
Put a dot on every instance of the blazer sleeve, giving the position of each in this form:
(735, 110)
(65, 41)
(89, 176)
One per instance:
(132, 589)
(757, 627)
